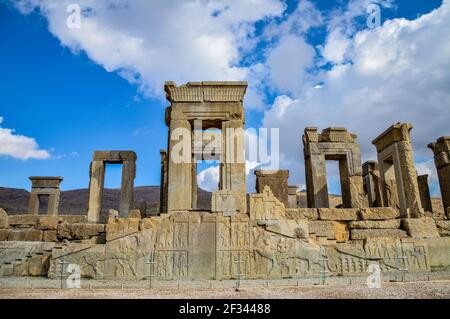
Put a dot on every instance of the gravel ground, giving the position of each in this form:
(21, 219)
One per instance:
(389, 290)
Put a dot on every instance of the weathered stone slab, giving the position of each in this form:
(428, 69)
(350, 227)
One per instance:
(424, 227)
(50, 236)
(79, 230)
(266, 206)
(73, 218)
(289, 228)
(48, 223)
(330, 229)
(378, 213)
(25, 235)
(302, 213)
(443, 227)
(4, 233)
(338, 214)
(373, 233)
(4, 220)
(375, 224)
(119, 227)
(29, 220)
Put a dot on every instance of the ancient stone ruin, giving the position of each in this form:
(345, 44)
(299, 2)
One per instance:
(385, 218)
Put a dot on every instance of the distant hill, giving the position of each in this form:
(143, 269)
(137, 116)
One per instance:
(74, 202)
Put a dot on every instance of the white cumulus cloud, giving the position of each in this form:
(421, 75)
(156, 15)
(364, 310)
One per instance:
(19, 146)
(397, 72)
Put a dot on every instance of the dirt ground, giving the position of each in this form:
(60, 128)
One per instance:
(389, 290)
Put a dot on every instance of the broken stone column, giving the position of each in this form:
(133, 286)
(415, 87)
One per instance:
(424, 190)
(292, 196)
(47, 186)
(371, 176)
(97, 181)
(441, 151)
(333, 144)
(396, 164)
(277, 180)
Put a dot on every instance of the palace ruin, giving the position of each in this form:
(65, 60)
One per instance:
(269, 233)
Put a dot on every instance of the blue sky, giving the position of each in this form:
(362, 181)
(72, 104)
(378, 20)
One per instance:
(101, 87)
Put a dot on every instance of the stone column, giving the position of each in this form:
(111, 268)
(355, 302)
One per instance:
(232, 166)
(179, 192)
(395, 158)
(441, 151)
(33, 204)
(424, 190)
(53, 202)
(97, 179)
(163, 184)
(127, 188)
(316, 180)
(292, 196)
(371, 175)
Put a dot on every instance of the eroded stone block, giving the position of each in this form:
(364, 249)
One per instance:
(378, 213)
(338, 214)
(424, 227)
(50, 236)
(78, 231)
(25, 235)
(375, 233)
(4, 233)
(302, 213)
(48, 223)
(329, 229)
(375, 224)
(18, 220)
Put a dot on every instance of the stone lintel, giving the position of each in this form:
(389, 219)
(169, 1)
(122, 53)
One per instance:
(114, 156)
(226, 91)
(280, 173)
(292, 189)
(45, 181)
(369, 167)
(399, 132)
(328, 135)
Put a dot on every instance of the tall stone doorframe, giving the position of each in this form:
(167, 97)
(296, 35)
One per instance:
(397, 169)
(216, 106)
(441, 151)
(44, 186)
(371, 179)
(332, 144)
(97, 180)
(277, 180)
(424, 191)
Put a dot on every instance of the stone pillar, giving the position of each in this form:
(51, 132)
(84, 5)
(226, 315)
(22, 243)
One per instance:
(316, 180)
(425, 197)
(292, 196)
(179, 191)
(277, 180)
(232, 166)
(371, 177)
(395, 161)
(127, 188)
(44, 186)
(441, 151)
(163, 184)
(96, 184)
